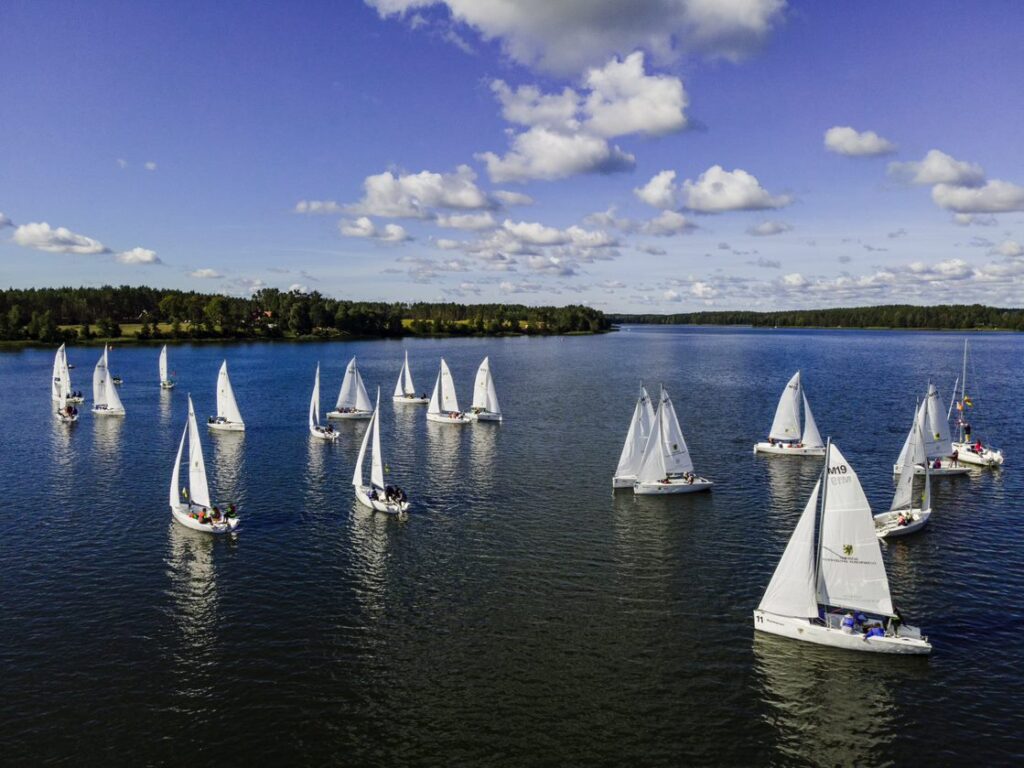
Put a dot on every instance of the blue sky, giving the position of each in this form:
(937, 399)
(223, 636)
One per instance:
(653, 155)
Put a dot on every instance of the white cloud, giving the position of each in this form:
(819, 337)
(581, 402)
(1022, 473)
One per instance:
(122, 163)
(522, 287)
(994, 197)
(794, 280)
(150, 165)
(318, 206)
(703, 290)
(482, 220)
(534, 233)
(391, 195)
(510, 199)
(969, 219)
(661, 191)
(624, 99)
(718, 190)
(5, 220)
(205, 274)
(666, 224)
(1009, 248)
(844, 140)
(939, 168)
(364, 227)
(541, 153)
(60, 240)
(768, 228)
(138, 256)
(528, 105)
(566, 36)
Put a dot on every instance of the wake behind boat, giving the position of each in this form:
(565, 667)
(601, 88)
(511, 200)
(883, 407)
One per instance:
(353, 402)
(191, 506)
(636, 440)
(405, 391)
(666, 466)
(376, 495)
(106, 401)
(317, 431)
(228, 418)
(903, 518)
(832, 589)
(485, 399)
(785, 438)
(968, 451)
(444, 403)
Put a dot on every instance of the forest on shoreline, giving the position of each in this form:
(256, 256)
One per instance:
(133, 313)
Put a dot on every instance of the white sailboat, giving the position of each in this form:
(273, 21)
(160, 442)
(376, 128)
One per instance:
(376, 495)
(166, 382)
(195, 510)
(106, 401)
(903, 517)
(228, 418)
(832, 589)
(60, 389)
(666, 466)
(485, 399)
(636, 440)
(317, 431)
(353, 402)
(444, 403)
(970, 452)
(405, 392)
(938, 444)
(786, 438)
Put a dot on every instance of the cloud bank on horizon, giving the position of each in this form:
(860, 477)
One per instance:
(646, 155)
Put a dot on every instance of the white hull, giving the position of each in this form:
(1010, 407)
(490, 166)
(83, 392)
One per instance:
(350, 415)
(226, 426)
(987, 457)
(483, 416)
(945, 469)
(410, 400)
(788, 449)
(887, 526)
(444, 418)
(181, 515)
(624, 481)
(75, 400)
(389, 508)
(166, 385)
(675, 485)
(321, 433)
(64, 418)
(107, 411)
(907, 641)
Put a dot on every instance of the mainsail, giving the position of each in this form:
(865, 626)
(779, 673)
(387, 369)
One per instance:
(199, 491)
(227, 407)
(484, 395)
(666, 453)
(791, 591)
(404, 386)
(636, 438)
(786, 425)
(353, 393)
(444, 399)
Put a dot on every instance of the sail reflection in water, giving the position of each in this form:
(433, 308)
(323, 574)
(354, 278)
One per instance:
(443, 446)
(166, 406)
(483, 446)
(370, 536)
(229, 464)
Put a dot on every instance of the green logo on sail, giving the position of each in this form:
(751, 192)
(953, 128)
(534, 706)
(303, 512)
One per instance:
(847, 549)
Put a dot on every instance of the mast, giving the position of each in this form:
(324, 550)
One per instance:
(963, 395)
(821, 514)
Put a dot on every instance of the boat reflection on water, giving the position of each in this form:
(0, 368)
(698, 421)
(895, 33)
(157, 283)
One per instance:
(166, 406)
(444, 442)
(483, 447)
(106, 438)
(828, 706)
(370, 535)
(229, 463)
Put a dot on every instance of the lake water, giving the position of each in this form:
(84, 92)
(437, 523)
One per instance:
(523, 615)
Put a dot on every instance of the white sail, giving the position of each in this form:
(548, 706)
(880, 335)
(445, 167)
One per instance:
(939, 441)
(175, 498)
(435, 397)
(811, 437)
(913, 453)
(444, 392)
(791, 592)
(484, 395)
(786, 425)
(227, 407)
(314, 401)
(851, 573)
(666, 453)
(357, 474)
(353, 393)
(404, 386)
(57, 383)
(65, 374)
(198, 490)
(113, 399)
(163, 365)
(636, 437)
(100, 375)
(377, 461)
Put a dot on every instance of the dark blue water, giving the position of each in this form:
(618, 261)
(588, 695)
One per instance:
(522, 615)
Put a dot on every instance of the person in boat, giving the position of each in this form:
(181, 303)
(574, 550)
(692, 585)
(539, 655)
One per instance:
(967, 432)
(373, 494)
(955, 456)
(771, 441)
(231, 511)
(937, 464)
(977, 446)
(901, 520)
(848, 623)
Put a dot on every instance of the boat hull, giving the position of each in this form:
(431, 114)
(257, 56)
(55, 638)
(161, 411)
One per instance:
(787, 449)
(623, 481)
(886, 526)
(107, 412)
(945, 470)
(181, 515)
(64, 418)
(75, 400)
(226, 426)
(987, 458)
(166, 385)
(484, 416)
(322, 434)
(411, 400)
(675, 485)
(388, 508)
(350, 415)
(803, 629)
(444, 418)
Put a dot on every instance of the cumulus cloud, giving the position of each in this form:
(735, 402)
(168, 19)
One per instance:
(318, 207)
(667, 224)
(416, 195)
(660, 191)
(1009, 248)
(939, 168)
(138, 256)
(43, 237)
(364, 227)
(482, 220)
(205, 274)
(541, 153)
(150, 165)
(970, 219)
(624, 99)
(718, 190)
(511, 199)
(844, 140)
(508, 286)
(565, 37)
(768, 228)
(5, 220)
(994, 196)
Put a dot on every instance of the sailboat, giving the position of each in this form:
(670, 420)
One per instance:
(785, 438)
(405, 392)
(323, 433)
(60, 389)
(228, 418)
(353, 402)
(106, 401)
(636, 440)
(376, 495)
(444, 403)
(970, 452)
(166, 382)
(485, 400)
(832, 589)
(903, 517)
(666, 466)
(938, 445)
(195, 511)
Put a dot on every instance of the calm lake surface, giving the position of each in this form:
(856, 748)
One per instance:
(523, 615)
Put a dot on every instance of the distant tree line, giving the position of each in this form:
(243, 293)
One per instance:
(62, 314)
(945, 316)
